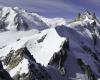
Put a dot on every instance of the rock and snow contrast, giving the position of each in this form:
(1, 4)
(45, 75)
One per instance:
(33, 47)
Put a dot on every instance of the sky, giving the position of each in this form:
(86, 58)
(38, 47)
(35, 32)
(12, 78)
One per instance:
(55, 8)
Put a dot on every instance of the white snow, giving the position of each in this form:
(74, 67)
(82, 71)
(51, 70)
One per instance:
(42, 51)
(21, 68)
(53, 22)
(46, 37)
(50, 45)
(88, 20)
(9, 37)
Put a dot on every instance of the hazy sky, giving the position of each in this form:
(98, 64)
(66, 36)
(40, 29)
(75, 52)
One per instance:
(55, 8)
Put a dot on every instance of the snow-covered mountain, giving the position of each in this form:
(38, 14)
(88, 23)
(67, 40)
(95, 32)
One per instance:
(27, 23)
(19, 19)
(52, 49)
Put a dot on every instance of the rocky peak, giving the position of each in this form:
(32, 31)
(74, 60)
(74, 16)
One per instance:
(86, 15)
(18, 19)
(35, 70)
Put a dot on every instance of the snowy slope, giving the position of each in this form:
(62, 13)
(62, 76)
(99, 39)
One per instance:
(18, 19)
(27, 23)
(59, 51)
(40, 45)
(84, 40)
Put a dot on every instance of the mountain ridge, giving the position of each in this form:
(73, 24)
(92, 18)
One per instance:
(62, 51)
(19, 19)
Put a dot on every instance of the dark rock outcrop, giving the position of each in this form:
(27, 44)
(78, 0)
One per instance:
(60, 57)
(82, 15)
(86, 69)
(4, 75)
(36, 70)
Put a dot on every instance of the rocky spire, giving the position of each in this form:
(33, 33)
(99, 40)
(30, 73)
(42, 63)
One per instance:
(90, 15)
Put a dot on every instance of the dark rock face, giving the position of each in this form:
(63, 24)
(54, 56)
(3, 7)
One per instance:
(13, 59)
(21, 23)
(86, 69)
(2, 26)
(26, 54)
(60, 57)
(1, 66)
(36, 70)
(89, 51)
(38, 73)
(4, 75)
(41, 40)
